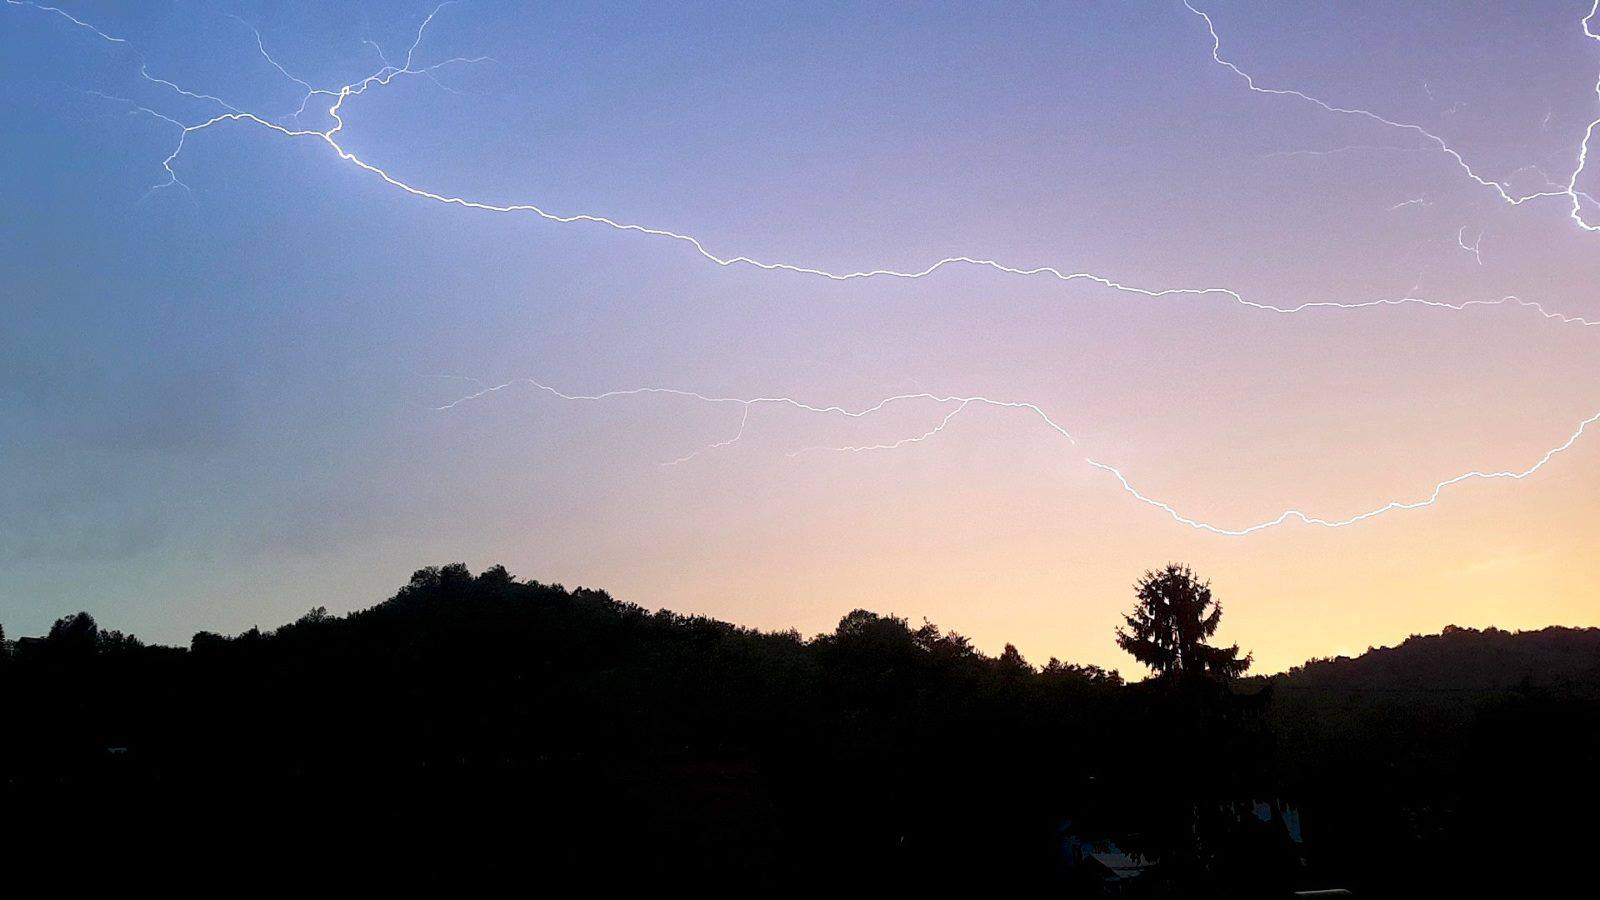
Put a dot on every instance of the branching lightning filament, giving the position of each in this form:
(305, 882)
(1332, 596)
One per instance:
(289, 126)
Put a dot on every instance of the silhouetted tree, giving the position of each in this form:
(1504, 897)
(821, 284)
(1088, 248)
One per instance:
(1167, 630)
(1011, 662)
(74, 635)
(114, 641)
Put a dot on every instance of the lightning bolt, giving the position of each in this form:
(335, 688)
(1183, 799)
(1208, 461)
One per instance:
(1336, 151)
(230, 113)
(1569, 190)
(1393, 505)
(69, 17)
(864, 448)
(744, 420)
(964, 402)
(748, 402)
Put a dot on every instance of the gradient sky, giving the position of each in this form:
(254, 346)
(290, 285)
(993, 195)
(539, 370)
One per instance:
(219, 400)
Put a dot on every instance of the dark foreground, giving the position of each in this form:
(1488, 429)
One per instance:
(472, 727)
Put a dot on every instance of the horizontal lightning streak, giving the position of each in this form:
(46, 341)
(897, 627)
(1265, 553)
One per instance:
(1289, 515)
(389, 72)
(1297, 515)
(758, 401)
(897, 444)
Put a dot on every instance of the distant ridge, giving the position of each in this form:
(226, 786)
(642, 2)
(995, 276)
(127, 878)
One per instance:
(1459, 659)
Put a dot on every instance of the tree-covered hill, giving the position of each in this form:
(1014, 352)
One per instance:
(1461, 660)
(479, 724)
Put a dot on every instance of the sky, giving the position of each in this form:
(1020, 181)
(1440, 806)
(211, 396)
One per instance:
(252, 362)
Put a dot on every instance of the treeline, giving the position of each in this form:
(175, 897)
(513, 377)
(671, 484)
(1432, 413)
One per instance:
(477, 724)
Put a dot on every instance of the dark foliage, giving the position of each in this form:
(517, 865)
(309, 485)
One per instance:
(474, 727)
(1169, 627)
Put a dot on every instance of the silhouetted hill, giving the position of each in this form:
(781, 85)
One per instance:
(476, 725)
(1460, 660)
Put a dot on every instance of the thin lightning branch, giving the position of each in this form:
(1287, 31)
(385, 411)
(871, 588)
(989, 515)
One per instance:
(144, 72)
(261, 45)
(1474, 247)
(1569, 191)
(744, 419)
(1576, 212)
(1284, 517)
(778, 401)
(68, 16)
(374, 45)
(389, 72)
(172, 176)
(1565, 189)
(1511, 300)
(1295, 514)
(897, 444)
(310, 91)
(749, 402)
(1335, 151)
(136, 108)
(421, 29)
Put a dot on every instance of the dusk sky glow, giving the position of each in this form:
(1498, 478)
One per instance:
(769, 313)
